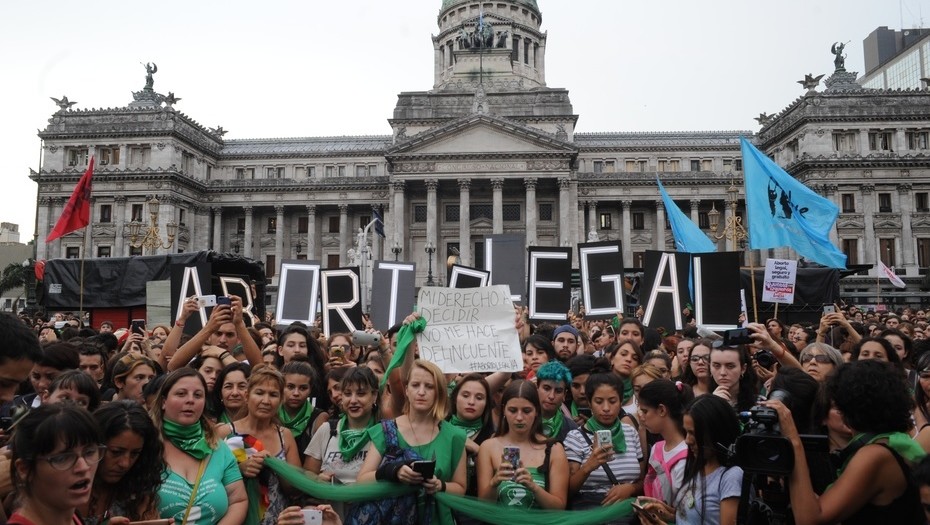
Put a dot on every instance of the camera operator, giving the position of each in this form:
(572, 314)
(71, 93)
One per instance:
(764, 341)
(874, 484)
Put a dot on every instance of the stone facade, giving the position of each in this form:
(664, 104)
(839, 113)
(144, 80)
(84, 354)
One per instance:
(489, 149)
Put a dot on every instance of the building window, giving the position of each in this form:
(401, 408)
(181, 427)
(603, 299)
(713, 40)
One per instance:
(609, 166)
(481, 211)
(639, 220)
(342, 171)
(361, 171)
(918, 140)
(605, 221)
(510, 212)
(274, 173)
(240, 225)
(133, 251)
(545, 211)
(103, 251)
(851, 249)
(77, 157)
(332, 260)
(373, 170)
(598, 166)
(209, 171)
(921, 203)
(844, 141)
(738, 165)
(181, 215)
(703, 220)
(106, 213)
(884, 203)
(270, 266)
(849, 203)
(923, 252)
(669, 165)
(880, 140)
(136, 213)
(886, 251)
(639, 259)
(245, 173)
(72, 252)
(272, 224)
(419, 213)
(363, 221)
(108, 155)
(334, 225)
(452, 213)
(303, 224)
(140, 156)
(311, 172)
(330, 171)
(695, 165)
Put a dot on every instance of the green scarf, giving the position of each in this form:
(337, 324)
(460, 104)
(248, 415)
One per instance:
(553, 425)
(471, 428)
(189, 438)
(573, 408)
(297, 423)
(627, 390)
(900, 442)
(616, 432)
(405, 336)
(351, 442)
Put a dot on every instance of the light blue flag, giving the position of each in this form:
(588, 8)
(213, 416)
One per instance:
(784, 212)
(688, 237)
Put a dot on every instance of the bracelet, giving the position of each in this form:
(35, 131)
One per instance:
(179, 323)
(224, 355)
(443, 487)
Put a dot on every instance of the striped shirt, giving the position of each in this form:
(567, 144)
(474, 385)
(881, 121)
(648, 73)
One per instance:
(625, 467)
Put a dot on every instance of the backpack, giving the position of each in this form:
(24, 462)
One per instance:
(653, 483)
(400, 510)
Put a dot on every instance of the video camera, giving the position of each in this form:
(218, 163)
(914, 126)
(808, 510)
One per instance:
(761, 449)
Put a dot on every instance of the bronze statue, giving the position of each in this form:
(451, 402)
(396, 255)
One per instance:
(840, 61)
(150, 69)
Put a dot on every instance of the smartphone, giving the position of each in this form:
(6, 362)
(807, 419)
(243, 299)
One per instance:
(603, 438)
(586, 412)
(163, 521)
(206, 300)
(363, 338)
(223, 300)
(512, 455)
(337, 351)
(638, 507)
(740, 336)
(138, 326)
(829, 309)
(424, 468)
(312, 516)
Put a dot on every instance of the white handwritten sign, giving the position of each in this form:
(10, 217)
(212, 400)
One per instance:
(780, 276)
(469, 329)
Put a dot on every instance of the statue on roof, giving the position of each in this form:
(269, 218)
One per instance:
(63, 104)
(150, 69)
(171, 100)
(840, 61)
(810, 82)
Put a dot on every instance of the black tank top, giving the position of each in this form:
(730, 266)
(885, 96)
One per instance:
(905, 509)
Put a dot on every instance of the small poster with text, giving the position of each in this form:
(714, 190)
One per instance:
(780, 277)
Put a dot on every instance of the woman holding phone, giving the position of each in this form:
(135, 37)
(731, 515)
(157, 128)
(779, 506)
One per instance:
(518, 466)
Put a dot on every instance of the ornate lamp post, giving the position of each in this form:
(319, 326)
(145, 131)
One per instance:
(152, 236)
(396, 248)
(430, 250)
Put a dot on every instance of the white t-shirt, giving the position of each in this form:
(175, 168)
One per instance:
(326, 449)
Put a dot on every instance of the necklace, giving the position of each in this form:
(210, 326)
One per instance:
(415, 436)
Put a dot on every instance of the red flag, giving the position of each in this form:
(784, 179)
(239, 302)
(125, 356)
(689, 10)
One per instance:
(76, 214)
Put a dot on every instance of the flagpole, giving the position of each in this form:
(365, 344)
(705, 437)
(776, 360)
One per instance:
(752, 273)
(83, 256)
(878, 278)
(776, 311)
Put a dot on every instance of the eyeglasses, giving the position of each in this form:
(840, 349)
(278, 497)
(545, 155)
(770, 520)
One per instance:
(700, 358)
(66, 460)
(344, 348)
(819, 358)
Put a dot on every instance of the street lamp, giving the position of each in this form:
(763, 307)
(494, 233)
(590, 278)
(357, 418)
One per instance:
(236, 247)
(152, 238)
(430, 250)
(298, 248)
(733, 230)
(396, 248)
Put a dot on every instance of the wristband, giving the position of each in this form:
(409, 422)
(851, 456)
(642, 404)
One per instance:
(224, 355)
(179, 323)
(443, 487)
(388, 471)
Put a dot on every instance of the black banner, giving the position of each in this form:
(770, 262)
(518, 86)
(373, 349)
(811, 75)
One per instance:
(393, 292)
(341, 293)
(503, 256)
(298, 289)
(716, 281)
(468, 277)
(664, 292)
(601, 267)
(549, 293)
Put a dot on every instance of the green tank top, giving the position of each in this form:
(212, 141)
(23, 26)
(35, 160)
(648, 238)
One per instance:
(513, 494)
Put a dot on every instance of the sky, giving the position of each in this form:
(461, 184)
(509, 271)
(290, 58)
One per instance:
(289, 68)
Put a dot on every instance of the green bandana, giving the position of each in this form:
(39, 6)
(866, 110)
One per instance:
(573, 408)
(297, 423)
(189, 438)
(627, 390)
(900, 442)
(616, 432)
(471, 428)
(351, 442)
(553, 425)
(406, 335)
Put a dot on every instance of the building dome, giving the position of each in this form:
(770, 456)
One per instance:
(446, 4)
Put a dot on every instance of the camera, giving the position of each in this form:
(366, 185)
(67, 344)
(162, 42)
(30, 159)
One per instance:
(762, 449)
(765, 358)
(739, 336)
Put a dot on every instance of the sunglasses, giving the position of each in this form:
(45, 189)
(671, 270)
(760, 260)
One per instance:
(819, 358)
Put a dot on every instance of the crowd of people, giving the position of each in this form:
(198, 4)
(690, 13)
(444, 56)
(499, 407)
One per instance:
(609, 419)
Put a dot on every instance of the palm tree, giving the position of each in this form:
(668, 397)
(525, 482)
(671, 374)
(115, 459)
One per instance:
(13, 278)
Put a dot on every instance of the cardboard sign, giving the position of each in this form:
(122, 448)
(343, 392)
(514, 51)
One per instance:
(549, 292)
(665, 289)
(780, 278)
(503, 256)
(601, 266)
(298, 288)
(717, 292)
(187, 281)
(469, 330)
(341, 297)
(393, 292)
(467, 277)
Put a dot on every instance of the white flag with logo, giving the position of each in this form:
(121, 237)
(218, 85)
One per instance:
(889, 273)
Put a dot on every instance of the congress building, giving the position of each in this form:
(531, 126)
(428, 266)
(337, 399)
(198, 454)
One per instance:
(489, 148)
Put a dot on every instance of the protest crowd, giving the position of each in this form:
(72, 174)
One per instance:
(608, 422)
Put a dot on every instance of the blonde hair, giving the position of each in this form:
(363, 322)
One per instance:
(441, 404)
(646, 370)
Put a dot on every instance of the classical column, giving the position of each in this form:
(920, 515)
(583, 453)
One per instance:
(627, 226)
(695, 206)
(375, 239)
(344, 243)
(531, 209)
(660, 226)
(465, 222)
(248, 234)
(278, 236)
(907, 237)
(432, 185)
(580, 232)
(42, 212)
(119, 242)
(311, 232)
(399, 230)
(565, 222)
(868, 215)
(592, 216)
(57, 206)
(498, 205)
(218, 229)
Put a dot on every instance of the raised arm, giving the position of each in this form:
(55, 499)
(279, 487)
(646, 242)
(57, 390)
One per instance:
(221, 314)
(251, 351)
